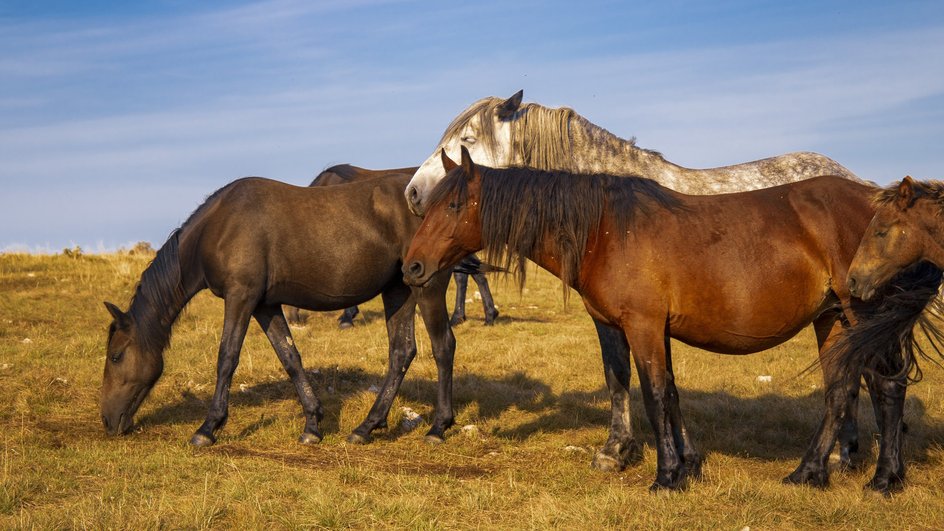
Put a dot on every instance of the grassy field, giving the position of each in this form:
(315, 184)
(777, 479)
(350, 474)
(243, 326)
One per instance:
(531, 409)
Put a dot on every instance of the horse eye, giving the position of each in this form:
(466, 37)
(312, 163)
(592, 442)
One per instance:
(455, 206)
(468, 139)
(116, 357)
(881, 233)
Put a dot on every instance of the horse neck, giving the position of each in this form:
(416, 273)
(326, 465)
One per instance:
(163, 292)
(596, 150)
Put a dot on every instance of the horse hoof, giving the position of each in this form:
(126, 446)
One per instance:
(490, 319)
(606, 463)
(813, 479)
(456, 321)
(344, 325)
(885, 486)
(693, 468)
(200, 440)
(355, 438)
(664, 487)
(309, 438)
(434, 439)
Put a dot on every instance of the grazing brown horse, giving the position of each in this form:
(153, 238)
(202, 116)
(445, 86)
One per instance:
(345, 174)
(907, 228)
(733, 273)
(259, 244)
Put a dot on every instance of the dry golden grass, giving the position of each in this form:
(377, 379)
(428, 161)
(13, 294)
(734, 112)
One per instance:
(531, 386)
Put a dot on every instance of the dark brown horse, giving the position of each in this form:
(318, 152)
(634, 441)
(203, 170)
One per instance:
(258, 244)
(907, 228)
(346, 173)
(734, 274)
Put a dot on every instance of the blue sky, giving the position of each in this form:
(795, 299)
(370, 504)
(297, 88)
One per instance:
(118, 118)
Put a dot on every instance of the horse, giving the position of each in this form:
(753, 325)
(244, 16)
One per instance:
(259, 244)
(502, 132)
(346, 173)
(906, 230)
(653, 264)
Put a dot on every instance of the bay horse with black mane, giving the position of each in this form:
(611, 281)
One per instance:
(347, 173)
(259, 244)
(502, 133)
(732, 273)
(908, 228)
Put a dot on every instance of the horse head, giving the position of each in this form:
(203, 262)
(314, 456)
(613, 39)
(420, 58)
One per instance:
(452, 228)
(899, 235)
(130, 372)
(483, 129)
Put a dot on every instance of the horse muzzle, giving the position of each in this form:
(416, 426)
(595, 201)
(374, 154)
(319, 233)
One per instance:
(119, 424)
(859, 289)
(416, 274)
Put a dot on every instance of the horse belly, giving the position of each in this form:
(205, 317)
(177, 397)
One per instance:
(745, 318)
(336, 279)
(749, 328)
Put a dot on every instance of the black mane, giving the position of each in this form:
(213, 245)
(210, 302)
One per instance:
(519, 206)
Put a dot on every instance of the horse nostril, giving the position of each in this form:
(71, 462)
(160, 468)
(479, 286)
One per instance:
(105, 422)
(416, 269)
(852, 284)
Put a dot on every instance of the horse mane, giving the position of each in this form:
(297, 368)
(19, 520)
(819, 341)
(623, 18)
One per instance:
(883, 341)
(932, 190)
(160, 295)
(541, 137)
(520, 206)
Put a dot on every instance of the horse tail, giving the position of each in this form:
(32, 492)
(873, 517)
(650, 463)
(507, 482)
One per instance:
(472, 265)
(883, 342)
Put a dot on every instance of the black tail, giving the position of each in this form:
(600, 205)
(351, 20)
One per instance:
(471, 265)
(883, 342)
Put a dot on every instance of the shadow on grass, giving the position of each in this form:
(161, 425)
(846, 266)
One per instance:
(769, 426)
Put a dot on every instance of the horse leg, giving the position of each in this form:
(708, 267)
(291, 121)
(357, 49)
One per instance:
(888, 398)
(683, 442)
(293, 315)
(849, 433)
(273, 323)
(346, 320)
(488, 303)
(840, 389)
(432, 303)
(647, 340)
(237, 311)
(620, 448)
(462, 286)
(399, 309)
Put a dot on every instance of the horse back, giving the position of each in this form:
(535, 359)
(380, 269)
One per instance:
(725, 270)
(317, 248)
(347, 173)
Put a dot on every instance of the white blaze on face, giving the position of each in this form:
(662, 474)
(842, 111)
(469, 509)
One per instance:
(429, 173)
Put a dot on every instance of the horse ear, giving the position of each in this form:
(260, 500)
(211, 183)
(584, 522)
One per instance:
(468, 167)
(120, 317)
(906, 193)
(509, 107)
(448, 164)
